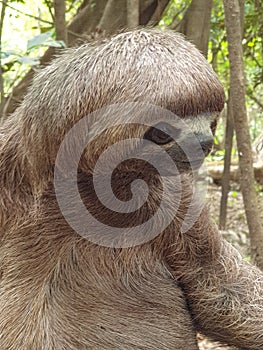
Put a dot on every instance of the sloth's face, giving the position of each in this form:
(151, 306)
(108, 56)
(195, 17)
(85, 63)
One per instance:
(166, 147)
(186, 146)
(129, 171)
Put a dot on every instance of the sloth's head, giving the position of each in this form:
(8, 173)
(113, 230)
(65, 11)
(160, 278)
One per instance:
(143, 104)
(143, 66)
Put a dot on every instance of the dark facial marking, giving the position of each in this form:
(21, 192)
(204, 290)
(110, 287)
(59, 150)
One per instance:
(162, 133)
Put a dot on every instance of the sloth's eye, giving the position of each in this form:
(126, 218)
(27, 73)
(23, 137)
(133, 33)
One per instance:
(161, 134)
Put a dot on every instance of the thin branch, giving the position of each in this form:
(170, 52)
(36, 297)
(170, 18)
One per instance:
(72, 5)
(49, 6)
(158, 13)
(25, 14)
(174, 25)
(76, 35)
(4, 4)
(255, 99)
(255, 59)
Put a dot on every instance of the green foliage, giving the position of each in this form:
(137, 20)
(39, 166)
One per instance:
(44, 39)
(31, 23)
(218, 50)
(259, 189)
(233, 194)
(253, 57)
(174, 12)
(15, 62)
(247, 258)
(218, 54)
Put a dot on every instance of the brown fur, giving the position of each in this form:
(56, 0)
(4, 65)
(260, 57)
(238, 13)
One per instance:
(59, 291)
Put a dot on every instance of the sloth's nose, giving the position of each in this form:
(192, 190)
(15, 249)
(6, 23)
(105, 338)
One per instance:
(206, 142)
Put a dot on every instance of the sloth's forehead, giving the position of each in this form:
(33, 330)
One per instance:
(151, 67)
(171, 75)
(122, 126)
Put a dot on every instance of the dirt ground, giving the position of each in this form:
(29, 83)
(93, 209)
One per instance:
(236, 232)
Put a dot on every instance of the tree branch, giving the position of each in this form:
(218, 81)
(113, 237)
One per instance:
(60, 21)
(25, 14)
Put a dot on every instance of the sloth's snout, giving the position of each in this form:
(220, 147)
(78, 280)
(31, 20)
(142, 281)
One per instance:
(164, 134)
(206, 142)
(186, 148)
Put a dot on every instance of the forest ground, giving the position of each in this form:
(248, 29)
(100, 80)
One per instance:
(236, 232)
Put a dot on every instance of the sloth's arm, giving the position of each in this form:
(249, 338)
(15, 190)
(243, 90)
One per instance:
(224, 293)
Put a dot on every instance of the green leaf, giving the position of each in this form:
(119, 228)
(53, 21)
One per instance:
(8, 53)
(8, 66)
(234, 194)
(38, 40)
(46, 29)
(247, 258)
(56, 43)
(31, 61)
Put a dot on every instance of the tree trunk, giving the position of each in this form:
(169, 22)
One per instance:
(86, 20)
(229, 133)
(196, 23)
(60, 21)
(114, 16)
(227, 163)
(162, 4)
(133, 13)
(147, 8)
(237, 88)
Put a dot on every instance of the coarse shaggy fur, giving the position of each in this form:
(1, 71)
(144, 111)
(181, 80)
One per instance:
(59, 291)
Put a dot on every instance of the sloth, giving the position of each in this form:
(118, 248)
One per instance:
(105, 242)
